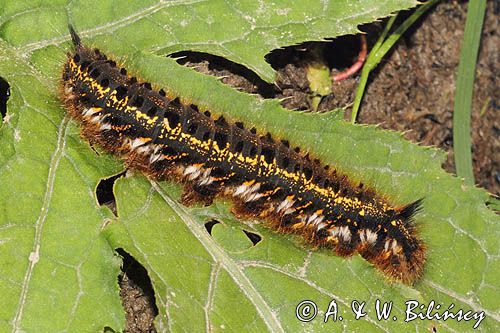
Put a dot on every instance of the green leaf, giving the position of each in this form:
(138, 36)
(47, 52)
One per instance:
(461, 233)
(58, 269)
(226, 28)
(462, 109)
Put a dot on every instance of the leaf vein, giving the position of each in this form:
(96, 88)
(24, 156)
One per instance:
(238, 276)
(34, 255)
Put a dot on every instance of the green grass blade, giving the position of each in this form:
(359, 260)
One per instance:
(463, 94)
(381, 49)
(363, 80)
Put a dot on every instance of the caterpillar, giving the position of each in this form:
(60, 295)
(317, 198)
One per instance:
(265, 178)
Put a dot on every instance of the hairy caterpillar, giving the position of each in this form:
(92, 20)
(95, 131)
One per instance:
(265, 177)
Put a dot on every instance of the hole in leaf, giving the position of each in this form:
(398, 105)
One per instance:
(254, 238)
(242, 77)
(4, 96)
(104, 192)
(210, 224)
(137, 294)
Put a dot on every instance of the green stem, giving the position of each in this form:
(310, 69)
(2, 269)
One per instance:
(363, 80)
(380, 50)
(465, 86)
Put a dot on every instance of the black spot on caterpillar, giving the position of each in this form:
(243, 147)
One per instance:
(265, 178)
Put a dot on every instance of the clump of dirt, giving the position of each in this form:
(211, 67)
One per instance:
(411, 91)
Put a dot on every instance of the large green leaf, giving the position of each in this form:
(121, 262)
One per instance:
(57, 267)
(242, 31)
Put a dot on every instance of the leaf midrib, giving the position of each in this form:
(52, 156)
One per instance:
(219, 256)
